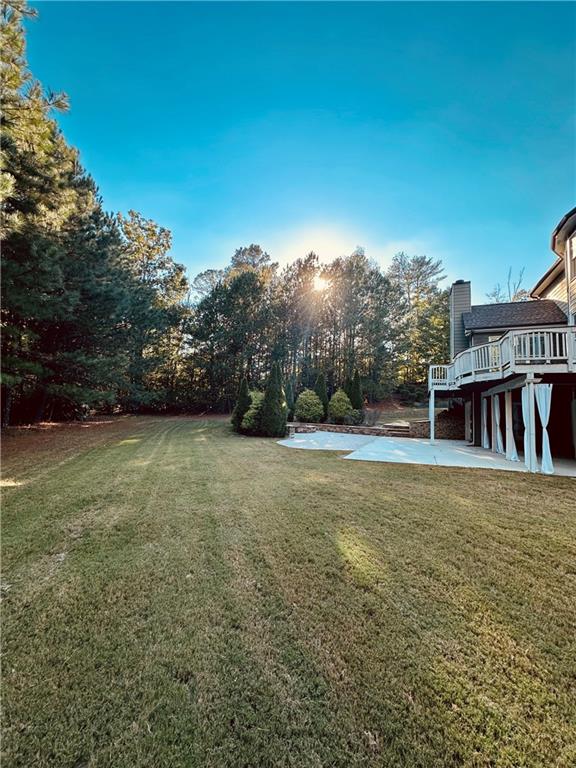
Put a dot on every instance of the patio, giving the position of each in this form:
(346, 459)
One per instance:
(445, 453)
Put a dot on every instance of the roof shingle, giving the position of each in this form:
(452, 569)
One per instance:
(515, 314)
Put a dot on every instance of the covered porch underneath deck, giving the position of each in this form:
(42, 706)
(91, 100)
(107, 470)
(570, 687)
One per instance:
(528, 419)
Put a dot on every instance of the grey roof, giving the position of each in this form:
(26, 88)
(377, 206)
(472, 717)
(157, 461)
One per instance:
(516, 314)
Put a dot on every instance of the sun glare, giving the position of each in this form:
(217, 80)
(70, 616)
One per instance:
(320, 283)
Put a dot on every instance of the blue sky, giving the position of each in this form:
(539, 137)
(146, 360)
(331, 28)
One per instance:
(438, 128)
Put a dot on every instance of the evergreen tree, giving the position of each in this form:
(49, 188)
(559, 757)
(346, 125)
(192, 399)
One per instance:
(356, 398)
(321, 391)
(274, 409)
(243, 402)
(91, 307)
(290, 400)
(158, 286)
(251, 423)
(347, 387)
(426, 315)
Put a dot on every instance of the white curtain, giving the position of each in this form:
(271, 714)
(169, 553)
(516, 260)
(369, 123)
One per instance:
(485, 438)
(499, 441)
(510, 431)
(543, 394)
(525, 417)
(514, 452)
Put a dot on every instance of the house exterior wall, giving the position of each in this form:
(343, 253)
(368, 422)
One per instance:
(571, 273)
(558, 291)
(483, 338)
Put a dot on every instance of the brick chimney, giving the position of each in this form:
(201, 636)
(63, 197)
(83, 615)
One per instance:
(460, 302)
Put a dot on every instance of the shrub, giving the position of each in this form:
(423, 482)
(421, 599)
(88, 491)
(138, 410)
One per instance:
(274, 408)
(354, 418)
(411, 392)
(250, 424)
(308, 407)
(339, 407)
(356, 399)
(243, 403)
(321, 391)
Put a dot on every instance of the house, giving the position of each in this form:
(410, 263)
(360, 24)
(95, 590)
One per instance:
(514, 365)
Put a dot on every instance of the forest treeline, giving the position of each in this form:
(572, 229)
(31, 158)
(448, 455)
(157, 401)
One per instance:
(97, 316)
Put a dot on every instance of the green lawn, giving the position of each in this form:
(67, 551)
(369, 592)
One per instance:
(176, 595)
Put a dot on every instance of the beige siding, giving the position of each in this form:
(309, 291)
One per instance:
(556, 290)
(571, 270)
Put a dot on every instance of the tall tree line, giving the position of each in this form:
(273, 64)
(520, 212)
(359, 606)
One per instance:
(91, 303)
(96, 315)
(315, 318)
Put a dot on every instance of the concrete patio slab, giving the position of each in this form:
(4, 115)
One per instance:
(444, 453)
(327, 441)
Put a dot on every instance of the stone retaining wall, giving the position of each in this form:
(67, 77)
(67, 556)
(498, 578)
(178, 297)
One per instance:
(345, 428)
(448, 427)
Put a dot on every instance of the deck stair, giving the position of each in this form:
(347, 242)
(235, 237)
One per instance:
(396, 429)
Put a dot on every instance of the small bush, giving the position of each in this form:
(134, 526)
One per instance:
(309, 407)
(251, 422)
(339, 407)
(354, 418)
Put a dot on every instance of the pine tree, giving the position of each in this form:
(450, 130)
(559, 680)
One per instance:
(322, 392)
(290, 400)
(356, 398)
(274, 409)
(242, 404)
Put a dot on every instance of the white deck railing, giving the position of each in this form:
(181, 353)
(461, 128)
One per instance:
(515, 352)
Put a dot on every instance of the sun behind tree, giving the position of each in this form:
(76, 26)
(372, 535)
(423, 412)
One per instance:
(320, 283)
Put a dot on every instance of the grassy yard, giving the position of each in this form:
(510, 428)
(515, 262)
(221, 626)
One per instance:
(395, 411)
(176, 595)
(406, 413)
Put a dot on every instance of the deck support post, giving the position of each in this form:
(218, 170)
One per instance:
(529, 416)
(431, 414)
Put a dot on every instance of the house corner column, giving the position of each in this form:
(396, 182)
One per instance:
(431, 400)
